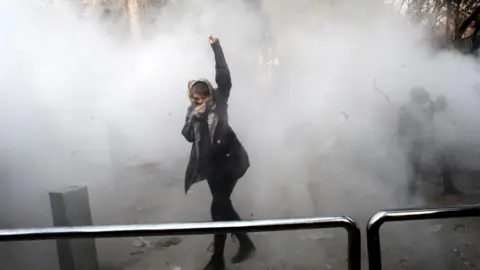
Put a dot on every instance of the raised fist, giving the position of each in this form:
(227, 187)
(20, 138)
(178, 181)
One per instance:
(212, 39)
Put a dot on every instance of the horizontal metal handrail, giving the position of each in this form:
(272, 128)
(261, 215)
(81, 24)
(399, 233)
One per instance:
(109, 231)
(354, 243)
(379, 218)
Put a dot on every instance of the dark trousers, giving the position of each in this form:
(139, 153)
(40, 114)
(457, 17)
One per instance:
(221, 186)
(440, 159)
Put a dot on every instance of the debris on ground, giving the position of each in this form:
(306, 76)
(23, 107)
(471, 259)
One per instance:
(140, 242)
(142, 246)
(134, 259)
(168, 242)
(458, 227)
(435, 228)
(137, 252)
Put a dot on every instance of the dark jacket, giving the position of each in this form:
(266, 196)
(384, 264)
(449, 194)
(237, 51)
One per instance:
(215, 146)
(416, 121)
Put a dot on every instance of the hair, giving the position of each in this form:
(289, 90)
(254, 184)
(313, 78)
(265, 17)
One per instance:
(201, 89)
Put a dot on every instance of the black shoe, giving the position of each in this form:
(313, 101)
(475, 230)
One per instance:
(245, 252)
(215, 263)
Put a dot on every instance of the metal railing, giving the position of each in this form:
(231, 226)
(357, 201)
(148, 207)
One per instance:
(378, 219)
(354, 241)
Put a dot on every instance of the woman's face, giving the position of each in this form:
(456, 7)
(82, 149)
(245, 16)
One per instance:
(199, 100)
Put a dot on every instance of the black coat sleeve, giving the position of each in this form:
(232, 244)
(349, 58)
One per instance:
(187, 130)
(222, 73)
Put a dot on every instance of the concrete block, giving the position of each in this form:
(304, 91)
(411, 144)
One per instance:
(71, 207)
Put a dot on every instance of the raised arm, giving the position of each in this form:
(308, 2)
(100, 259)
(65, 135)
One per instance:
(222, 73)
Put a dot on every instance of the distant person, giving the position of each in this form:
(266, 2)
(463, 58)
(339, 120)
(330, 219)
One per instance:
(217, 155)
(416, 127)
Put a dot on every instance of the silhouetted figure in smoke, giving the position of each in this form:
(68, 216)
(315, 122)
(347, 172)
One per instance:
(217, 155)
(416, 126)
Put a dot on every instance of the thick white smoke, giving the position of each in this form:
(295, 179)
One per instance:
(80, 99)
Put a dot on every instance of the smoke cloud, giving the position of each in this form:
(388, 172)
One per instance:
(82, 102)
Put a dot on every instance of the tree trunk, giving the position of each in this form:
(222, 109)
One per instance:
(448, 22)
(456, 18)
(438, 8)
(135, 29)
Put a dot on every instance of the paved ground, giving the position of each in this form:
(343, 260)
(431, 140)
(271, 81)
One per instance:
(152, 195)
(446, 244)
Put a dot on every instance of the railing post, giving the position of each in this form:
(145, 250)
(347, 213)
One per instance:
(70, 207)
(378, 219)
(354, 245)
(373, 241)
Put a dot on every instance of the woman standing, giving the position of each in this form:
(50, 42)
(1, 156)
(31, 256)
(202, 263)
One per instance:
(217, 155)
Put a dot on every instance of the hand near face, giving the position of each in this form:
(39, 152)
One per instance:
(200, 109)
